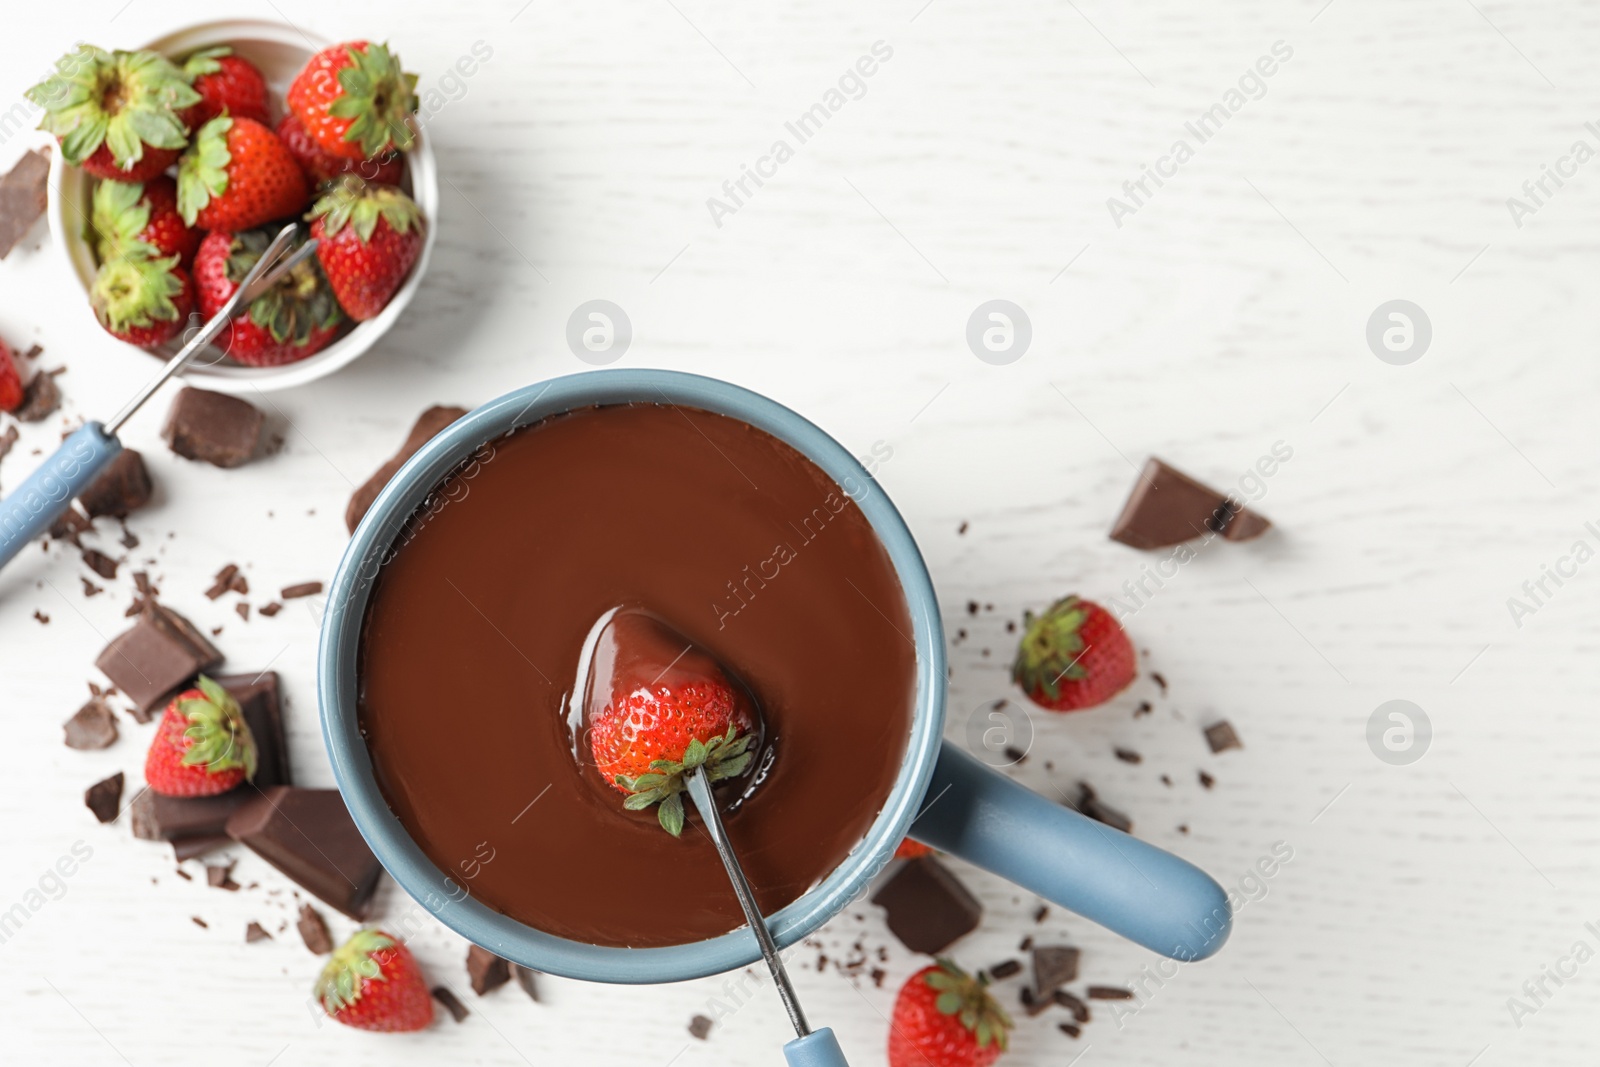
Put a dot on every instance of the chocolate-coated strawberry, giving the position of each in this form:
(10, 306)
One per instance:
(368, 238)
(323, 166)
(202, 746)
(945, 1018)
(117, 114)
(141, 300)
(355, 101)
(237, 175)
(294, 319)
(130, 219)
(1075, 655)
(226, 83)
(372, 982)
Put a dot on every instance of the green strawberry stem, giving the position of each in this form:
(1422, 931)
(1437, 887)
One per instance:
(339, 985)
(203, 170)
(722, 757)
(124, 100)
(378, 97)
(133, 293)
(1050, 648)
(968, 999)
(220, 738)
(360, 204)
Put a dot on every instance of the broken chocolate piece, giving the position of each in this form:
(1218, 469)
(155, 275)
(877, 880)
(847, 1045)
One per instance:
(256, 932)
(1032, 1003)
(1091, 805)
(308, 835)
(700, 1027)
(1109, 992)
(69, 524)
(7, 441)
(1079, 1010)
(290, 592)
(41, 397)
(104, 798)
(122, 488)
(1070, 1029)
(100, 563)
(487, 971)
(1221, 737)
(314, 931)
(157, 657)
(1167, 507)
(1127, 755)
(271, 609)
(214, 428)
(526, 978)
(243, 610)
(23, 198)
(452, 1004)
(190, 847)
(220, 876)
(223, 582)
(427, 426)
(1206, 780)
(1005, 969)
(91, 726)
(928, 907)
(1053, 967)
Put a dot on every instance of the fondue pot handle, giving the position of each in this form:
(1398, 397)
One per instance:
(819, 1048)
(1126, 885)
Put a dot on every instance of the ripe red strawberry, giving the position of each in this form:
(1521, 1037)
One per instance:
(117, 114)
(910, 850)
(320, 166)
(294, 319)
(11, 394)
(355, 101)
(141, 219)
(368, 238)
(141, 300)
(226, 83)
(1075, 655)
(669, 710)
(372, 982)
(237, 175)
(202, 746)
(945, 1018)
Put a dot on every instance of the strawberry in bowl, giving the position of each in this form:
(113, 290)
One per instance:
(293, 320)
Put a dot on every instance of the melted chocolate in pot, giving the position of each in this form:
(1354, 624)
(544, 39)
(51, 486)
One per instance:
(472, 661)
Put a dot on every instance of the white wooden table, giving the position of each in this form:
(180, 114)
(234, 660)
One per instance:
(1227, 312)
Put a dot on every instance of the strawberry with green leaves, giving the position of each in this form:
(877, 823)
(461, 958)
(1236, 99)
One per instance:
(355, 101)
(117, 115)
(1074, 656)
(226, 83)
(140, 219)
(142, 300)
(202, 747)
(368, 238)
(943, 1017)
(320, 165)
(237, 175)
(294, 319)
(372, 982)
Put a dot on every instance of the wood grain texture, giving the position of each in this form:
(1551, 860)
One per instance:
(1226, 314)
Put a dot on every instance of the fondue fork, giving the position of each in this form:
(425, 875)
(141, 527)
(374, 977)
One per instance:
(39, 501)
(810, 1048)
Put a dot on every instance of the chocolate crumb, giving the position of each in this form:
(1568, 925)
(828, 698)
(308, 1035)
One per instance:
(972, 607)
(201, 923)
(220, 876)
(1221, 736)
(1011, 626)
(1041, 912)
(314, 931)
(458, 1011)
(1025, 944)
(1069, 1029)
(700, 1027)
(41, 618)
(104, 798)
(1005, 969)
(223, 581)
(1079, 1010)
(962, 528)
(1015, 754)
(256, 932)
(1032, 1004)
(91, 726)
(41, 397)
(486, 971)
(271, 609)
(1166, 779)
(90, 589)
(1183, 828)
(526, 978)
(1109, 992)
(1144, 708)
(290, 592)
(1206, 780)
(1156, 677)
(1128, 755)
(7, 440)
(181, 873)
(243, 608)
(100, 563)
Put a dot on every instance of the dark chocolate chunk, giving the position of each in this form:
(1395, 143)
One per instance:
(100, 563)
(90, 589)
(214, 428)
(256, 932)
(156, 658)
(92, 726)
(41, 397)
(1092, 806)
(23, 198)
(1032, 1003)
(314, 931)
(223, 581)
(1005, 969)
(242, 608)
(700, 1027)
(452, 1004)
(427, 426)
(269, 610)
(1079, 1010)
(122, 488)
(40, 617)
(220, 876)
(195, 825)
(308, 835)
(1167, 507)
(290, 592)
(928, 907)
(526, 978)
(1053, 967)
(69, 524)
(1206, 780)
(104, 798)
(1109, 992)
(487, 971)
(1128, 755)
(1070, 1029)
(1221, 737)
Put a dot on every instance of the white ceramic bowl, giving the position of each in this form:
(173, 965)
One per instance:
(280, 50)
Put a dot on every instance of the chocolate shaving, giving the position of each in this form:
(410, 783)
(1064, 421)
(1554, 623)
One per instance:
(23, 197)
(223, 581)
(1127, 755)
(243, 608)
(269, 610)
(1005, 969)
(1109, 992)
(290, 592)
(452, 1004)
(100, 563)
(1080, 1010)
(256, 932)
(1070, 1029)
(1206, 780)
(104, 798)
(314, 931)
(1221, 737)
(700, 1027)
(7, 441)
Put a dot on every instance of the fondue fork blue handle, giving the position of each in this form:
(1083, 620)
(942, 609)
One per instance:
(1130, 887)
(31, 508)
(810, 1048)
